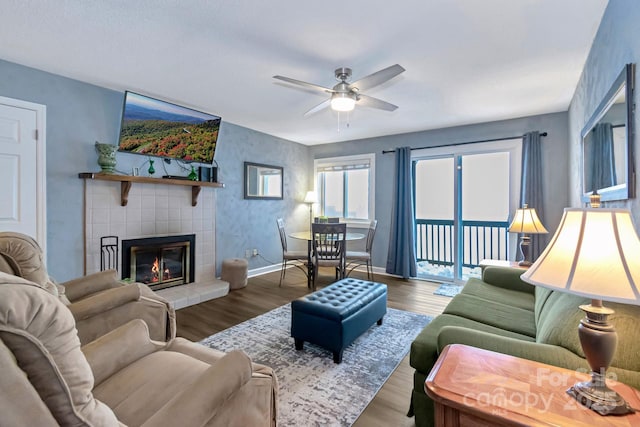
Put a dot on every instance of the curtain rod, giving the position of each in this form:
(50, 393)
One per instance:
(464, 143)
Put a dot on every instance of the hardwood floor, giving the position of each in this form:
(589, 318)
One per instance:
(262, 294)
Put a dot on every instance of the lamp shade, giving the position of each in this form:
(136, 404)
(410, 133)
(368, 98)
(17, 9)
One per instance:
(311, 197)
(526, 221)
(595, 253)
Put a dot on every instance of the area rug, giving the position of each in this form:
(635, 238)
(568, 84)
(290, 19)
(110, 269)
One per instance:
(313, 390)
(448, 290)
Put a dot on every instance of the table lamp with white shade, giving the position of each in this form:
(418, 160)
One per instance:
(595, 253)
(525, 221)
(311, 198)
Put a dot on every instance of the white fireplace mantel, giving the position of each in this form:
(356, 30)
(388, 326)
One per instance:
(126, 181)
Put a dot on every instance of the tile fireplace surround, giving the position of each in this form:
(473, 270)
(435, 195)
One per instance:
(155, 210)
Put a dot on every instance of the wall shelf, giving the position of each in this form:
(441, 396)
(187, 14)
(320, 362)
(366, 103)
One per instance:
(126, 181)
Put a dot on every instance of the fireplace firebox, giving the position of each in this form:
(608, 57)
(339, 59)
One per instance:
(160, 262)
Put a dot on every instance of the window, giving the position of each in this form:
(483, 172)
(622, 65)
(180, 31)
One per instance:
(345, 187)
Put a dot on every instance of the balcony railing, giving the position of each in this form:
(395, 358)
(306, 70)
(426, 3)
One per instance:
(480, 240)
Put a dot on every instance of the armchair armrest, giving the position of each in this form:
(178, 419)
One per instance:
(507, 277)
(119, 348)
(104, 301)
(86, 285)
(199, 403)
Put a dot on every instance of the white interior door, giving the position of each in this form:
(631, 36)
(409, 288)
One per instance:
(22, 169)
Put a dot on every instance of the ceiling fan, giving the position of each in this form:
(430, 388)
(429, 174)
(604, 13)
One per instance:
(345, 95)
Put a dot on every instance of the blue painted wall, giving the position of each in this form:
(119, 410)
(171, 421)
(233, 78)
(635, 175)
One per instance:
(617, 43)
(555, 150)
(78, 114)
(251, 224)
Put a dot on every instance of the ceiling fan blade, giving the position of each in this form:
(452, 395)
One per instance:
(377, 78)
(304, 84)
(321, 106)
(369, 101)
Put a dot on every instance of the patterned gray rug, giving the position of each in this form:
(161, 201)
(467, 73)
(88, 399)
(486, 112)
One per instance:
(448, 290)
(314, 391)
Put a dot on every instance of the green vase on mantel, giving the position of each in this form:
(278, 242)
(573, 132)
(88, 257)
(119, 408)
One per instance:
(193, 176)
(106, 157)
(151, 169)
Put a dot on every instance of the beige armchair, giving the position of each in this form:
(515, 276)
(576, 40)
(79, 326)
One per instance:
(99, 302)
(122, 378)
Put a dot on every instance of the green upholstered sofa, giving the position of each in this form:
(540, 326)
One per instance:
(502, 313)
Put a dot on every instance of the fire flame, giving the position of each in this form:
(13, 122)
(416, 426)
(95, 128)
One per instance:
(158, 274)
(155, 269)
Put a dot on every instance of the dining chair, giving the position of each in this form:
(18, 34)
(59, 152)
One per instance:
(354, 259)
(329, 244)
(296, 258)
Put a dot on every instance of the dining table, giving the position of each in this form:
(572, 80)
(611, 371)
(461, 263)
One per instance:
(308, 236)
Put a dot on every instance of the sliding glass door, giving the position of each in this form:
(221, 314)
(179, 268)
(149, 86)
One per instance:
(434, 195)
(463, 199)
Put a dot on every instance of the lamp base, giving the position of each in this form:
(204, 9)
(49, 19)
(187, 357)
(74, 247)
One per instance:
(599, 340)
(596, 396)
(525, 241)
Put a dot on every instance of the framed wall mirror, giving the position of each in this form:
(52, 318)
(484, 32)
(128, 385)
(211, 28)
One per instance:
(607, 143)
(262, 181)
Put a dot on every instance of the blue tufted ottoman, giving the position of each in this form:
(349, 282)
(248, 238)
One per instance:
(335, 316)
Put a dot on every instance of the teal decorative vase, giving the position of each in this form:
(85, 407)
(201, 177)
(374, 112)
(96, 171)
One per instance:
(151, 169)
(106, 157)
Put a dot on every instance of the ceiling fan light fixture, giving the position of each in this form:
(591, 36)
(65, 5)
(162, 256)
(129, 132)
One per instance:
(341, 101)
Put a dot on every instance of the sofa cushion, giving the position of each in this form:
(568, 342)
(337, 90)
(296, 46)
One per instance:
(503, 316)
(165, 372)
(626, 320)
(541, 296)
(559, 319)
(424, 349)
(561, 315)
(506, 277)
(480, 289)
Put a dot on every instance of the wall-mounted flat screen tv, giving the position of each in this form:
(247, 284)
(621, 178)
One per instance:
(157, 128)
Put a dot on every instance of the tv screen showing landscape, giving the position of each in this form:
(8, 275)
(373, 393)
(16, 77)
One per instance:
(158, 128)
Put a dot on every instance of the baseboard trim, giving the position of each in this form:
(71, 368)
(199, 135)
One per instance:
(264, 270)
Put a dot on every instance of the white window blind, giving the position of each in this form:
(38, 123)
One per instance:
(345, 187)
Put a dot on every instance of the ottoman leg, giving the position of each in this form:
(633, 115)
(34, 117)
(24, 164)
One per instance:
(299, 343)
(337, 356)
(380, 321)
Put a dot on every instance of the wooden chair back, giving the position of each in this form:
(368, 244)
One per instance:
(329, 241)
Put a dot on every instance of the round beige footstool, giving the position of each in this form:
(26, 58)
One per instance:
(234, 271)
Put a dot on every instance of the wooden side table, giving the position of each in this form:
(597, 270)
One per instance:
(475, 387)
(500, 263)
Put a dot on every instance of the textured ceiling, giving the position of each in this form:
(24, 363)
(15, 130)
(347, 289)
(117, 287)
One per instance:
(467, 61)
